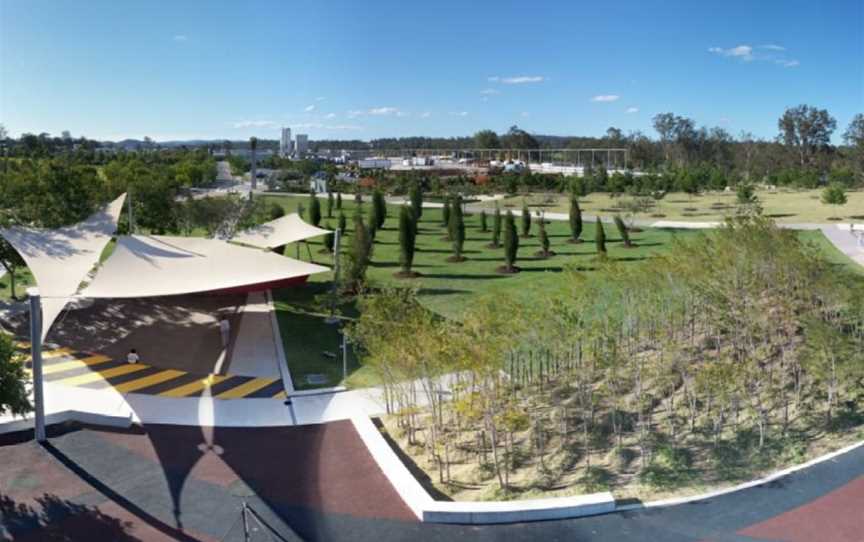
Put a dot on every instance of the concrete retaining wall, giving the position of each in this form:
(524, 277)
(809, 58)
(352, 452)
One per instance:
(429, 510)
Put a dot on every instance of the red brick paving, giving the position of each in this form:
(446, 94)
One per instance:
(837, 516)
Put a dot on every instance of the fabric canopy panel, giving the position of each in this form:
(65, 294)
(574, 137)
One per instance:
(149, 266)
(276, 233)
(60, 259)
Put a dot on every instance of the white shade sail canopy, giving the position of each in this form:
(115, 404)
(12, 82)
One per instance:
(149, 266)
(276, 233)
(60, 259)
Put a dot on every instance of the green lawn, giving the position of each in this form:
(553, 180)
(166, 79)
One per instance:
(784, 205)
(448, 288)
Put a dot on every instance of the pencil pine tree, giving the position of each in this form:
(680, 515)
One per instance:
(379, 207)
(496, 228)
(575, 220)
(407, 239)
(456, 230)
(511, 243)
(314, 210)
(600, 238)
(416, 198)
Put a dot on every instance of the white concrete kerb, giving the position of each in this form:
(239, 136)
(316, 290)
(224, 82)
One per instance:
(429, 510)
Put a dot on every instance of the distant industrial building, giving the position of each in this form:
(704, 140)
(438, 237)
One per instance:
(301, 145)
(285, 144)
(374, 163)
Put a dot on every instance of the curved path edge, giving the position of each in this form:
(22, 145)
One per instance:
(429, 510)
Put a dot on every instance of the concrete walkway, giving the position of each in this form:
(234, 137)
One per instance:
(253, 352)
(847, 240)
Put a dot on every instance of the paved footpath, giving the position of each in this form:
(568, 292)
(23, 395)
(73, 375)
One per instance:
(318, 482)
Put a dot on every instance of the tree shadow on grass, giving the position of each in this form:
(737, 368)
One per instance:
(629, 258)
(442, 251)
(459, 276)
(555, 269)
(440, 291)
(59, 519)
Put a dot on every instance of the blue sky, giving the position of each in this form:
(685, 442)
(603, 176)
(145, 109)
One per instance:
(177, 70)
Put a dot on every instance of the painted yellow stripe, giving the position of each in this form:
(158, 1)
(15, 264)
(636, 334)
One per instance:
(192, 387)
(74, 364)
(245, 388)
(105, 374)
(280, 395)
(151, 380)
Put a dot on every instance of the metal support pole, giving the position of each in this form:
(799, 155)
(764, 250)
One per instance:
(36, 354)
(344, 355)
(245, 524)
(129, 211)
(335, 289)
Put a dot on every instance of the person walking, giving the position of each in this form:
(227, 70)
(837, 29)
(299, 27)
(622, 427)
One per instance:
(132, 356)
(225, 330)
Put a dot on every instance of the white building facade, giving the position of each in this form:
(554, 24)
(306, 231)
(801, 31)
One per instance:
(301, 146)
(285, 146)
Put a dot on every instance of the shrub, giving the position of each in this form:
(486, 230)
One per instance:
(339, 201)
(484, 227)
(526, 221)
(445, 213)
(330, 204)
(343, 223)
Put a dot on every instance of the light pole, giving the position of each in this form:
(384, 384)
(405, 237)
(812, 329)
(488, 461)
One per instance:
(36, 355)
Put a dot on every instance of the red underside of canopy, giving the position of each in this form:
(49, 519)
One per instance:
(261, 286)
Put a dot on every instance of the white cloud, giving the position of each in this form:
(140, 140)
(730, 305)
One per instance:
(772, 53)
(425, 115)
(632, 110)
(181, 37)
(384, 111)
(320, 99)
(376, 112)
(256, 124)
(744, 52)
(517, 80)
(321, 126)
(606, 98)
(489, 91)
(330, 116)
(458, 113)
(309, 108)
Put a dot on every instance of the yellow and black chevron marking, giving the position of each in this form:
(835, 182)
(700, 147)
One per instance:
(95, 371)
